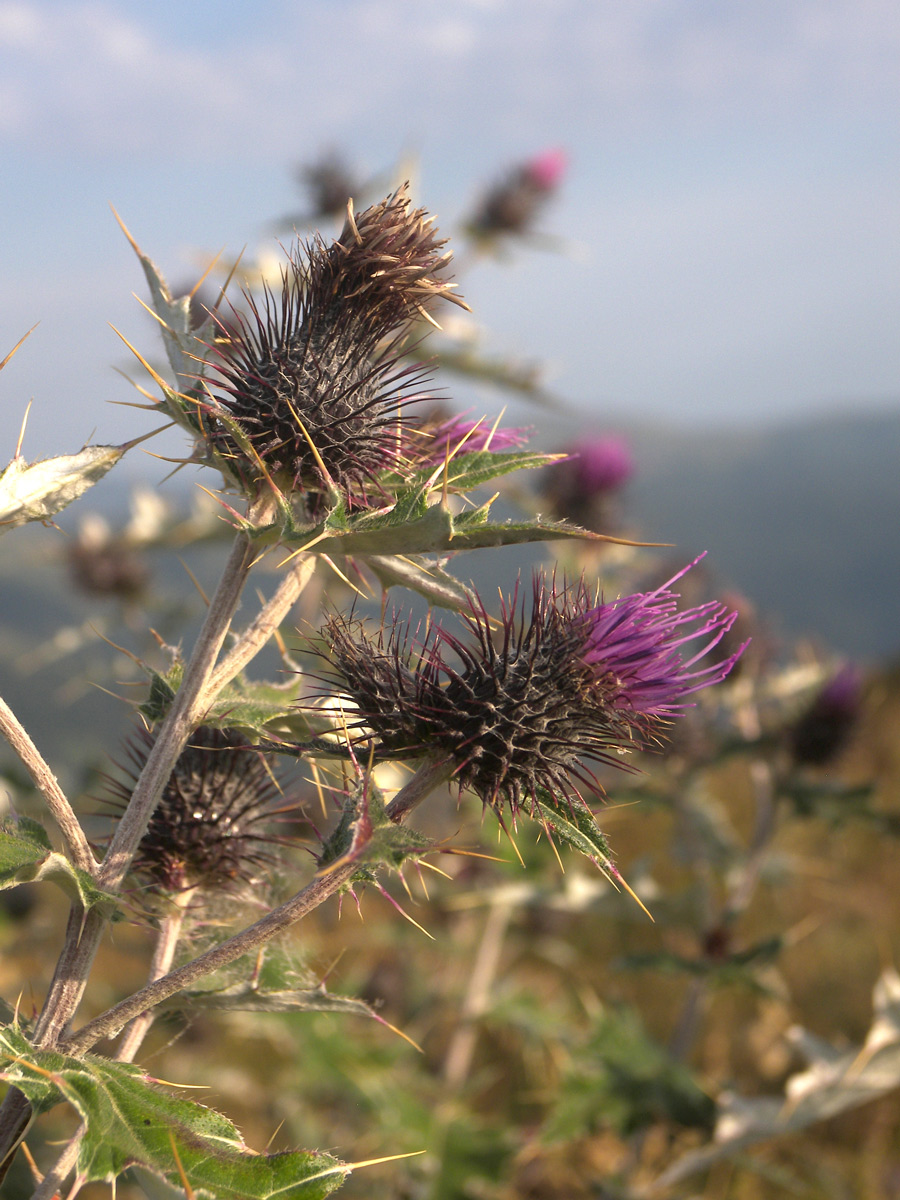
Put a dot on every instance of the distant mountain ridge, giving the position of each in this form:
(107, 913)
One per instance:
(803, 518)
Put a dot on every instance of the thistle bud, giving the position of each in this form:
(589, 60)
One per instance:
(511, 206)
(822, 731)
(212, 826)
(581, 485)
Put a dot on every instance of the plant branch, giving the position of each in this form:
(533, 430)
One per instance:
(46, 783)
(267, 620)
(321, 888)
(166, 945)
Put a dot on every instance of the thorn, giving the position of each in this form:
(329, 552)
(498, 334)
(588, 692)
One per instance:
(18, 344)
(22, 430)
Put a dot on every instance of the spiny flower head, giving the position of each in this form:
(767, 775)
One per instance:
(213, 823)
(312, 384)
(579, 486)
(523, 707)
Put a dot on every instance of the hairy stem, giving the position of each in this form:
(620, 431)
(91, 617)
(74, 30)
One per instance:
(166, 945)
(46, 783)
(267, 620)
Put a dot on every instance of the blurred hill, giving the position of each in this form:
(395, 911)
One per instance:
(801, 518)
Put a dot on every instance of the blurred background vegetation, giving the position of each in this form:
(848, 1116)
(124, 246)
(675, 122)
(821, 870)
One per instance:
(539, 1037)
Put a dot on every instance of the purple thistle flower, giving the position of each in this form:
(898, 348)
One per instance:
(635, 642)
(435, 441)
(580, 485)
(601, 464)
(521, 708)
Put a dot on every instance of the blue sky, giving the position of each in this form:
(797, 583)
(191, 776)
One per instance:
(731, 213)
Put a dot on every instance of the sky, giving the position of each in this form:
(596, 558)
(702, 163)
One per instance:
(724, 248)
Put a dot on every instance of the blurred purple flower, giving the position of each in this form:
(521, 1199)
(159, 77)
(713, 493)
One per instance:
(601, 464)
(511, 206)
(546, 170)
(580, 485)
(442, 438)
(822, 731)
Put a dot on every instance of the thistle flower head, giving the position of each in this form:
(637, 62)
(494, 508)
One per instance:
(312, 384)
(212, 826)
(580, 485)
(432, 441)
(524, 707)
(330, 183)
(510, 207)
(822, 731)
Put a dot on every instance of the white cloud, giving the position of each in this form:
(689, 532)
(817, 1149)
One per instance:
(91, 77)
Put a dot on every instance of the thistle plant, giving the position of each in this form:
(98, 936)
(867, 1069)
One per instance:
(312, 405)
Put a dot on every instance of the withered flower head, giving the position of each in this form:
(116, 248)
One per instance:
(212, 827)
(315, 382)
(523, 707)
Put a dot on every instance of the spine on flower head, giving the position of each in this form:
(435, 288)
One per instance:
(312, 385)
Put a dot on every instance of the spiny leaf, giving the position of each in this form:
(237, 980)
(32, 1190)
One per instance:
(27, 857)
(471, 469)
(412, 527)
(39, 491)
(253, 706)
(834, 1081)
(419, 575)
(574, 824)
(131, 1121)
(241, 997)
(162, 692)
(366, 835)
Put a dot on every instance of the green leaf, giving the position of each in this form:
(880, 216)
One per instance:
(366, 835)
(468, 470)
(254, 707)
(162, 692)
(623, 1079)
(23, 844)
(242, 997)
(732, 968)
(572, 822)
(412, 526)
(27, 857)
(420, 575)
(131, 1121)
